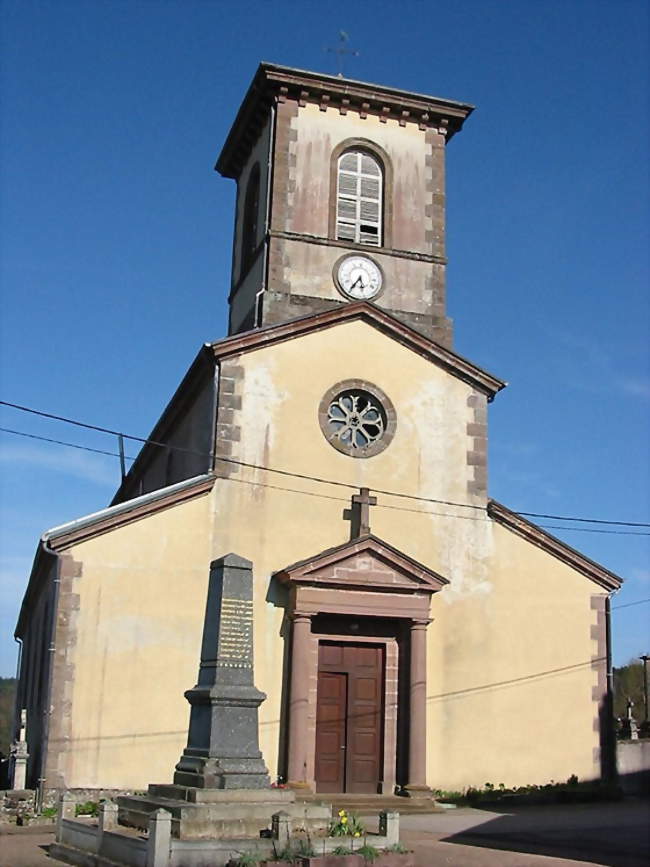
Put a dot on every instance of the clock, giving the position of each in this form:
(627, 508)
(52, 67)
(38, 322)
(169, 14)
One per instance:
(358, 277)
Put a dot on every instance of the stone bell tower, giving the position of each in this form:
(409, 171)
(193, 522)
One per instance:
(340, 197)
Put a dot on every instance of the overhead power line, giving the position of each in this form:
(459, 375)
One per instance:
(595, 529)
(630, 604)
(289, 473)
(20, 433)
(324, 496)
(584, 520)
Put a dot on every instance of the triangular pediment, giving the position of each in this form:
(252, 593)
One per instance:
(366, 563)
(377, 318)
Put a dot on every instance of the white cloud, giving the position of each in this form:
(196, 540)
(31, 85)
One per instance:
(520, 449)
(640, 575)
(590, 363)
(635, 387)
(12, 587)
(98, 469)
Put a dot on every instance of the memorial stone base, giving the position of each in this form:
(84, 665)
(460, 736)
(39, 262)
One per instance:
(109, 844)
(201, 814)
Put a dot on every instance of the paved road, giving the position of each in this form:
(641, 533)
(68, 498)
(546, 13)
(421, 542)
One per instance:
(615, 835)
(579, 835)
(25, 847)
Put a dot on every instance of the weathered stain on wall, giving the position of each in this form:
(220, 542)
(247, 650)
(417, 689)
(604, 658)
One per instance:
(510, 648)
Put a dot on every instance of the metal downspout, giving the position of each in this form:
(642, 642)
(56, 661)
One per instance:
(50, 666)
(15, 733)
(215, 412)
(267, 219)
(610, 770)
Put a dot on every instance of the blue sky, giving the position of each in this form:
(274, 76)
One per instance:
(116, 236)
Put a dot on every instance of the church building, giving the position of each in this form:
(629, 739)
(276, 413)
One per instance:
(410, 633)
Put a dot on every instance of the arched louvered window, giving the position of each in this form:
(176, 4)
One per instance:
(251, 218)
(359, 191)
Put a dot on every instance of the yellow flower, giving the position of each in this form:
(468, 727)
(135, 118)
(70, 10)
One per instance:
(341, 812)
(344, 820)
(357, 834)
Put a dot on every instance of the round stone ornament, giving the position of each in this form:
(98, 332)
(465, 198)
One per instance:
(357, 418)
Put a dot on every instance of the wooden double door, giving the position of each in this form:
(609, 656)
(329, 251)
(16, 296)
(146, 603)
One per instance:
(349, 717)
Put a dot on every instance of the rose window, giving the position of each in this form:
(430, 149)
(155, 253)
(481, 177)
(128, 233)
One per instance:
(356, 419)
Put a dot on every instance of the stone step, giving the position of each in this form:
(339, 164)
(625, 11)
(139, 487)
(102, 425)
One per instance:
(374, 804)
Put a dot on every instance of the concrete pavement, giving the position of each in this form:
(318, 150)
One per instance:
(576, 835)
(612, 834)
(25, 847)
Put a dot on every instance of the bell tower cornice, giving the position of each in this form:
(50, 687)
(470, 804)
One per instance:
(273, 83)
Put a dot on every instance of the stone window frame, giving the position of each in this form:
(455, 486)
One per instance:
(386, 205)
(380, 396)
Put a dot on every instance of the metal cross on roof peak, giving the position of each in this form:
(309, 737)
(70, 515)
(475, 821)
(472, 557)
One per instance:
(359, 513)
(341, 50)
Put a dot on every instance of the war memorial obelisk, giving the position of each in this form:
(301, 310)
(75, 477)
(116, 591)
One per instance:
(221, 785)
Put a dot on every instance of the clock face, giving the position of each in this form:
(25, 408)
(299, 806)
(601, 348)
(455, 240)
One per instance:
(359, 277)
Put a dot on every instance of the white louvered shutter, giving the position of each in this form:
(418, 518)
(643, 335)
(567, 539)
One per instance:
(358, 199)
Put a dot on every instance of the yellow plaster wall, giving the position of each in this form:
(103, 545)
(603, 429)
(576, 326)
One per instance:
(275, 520)
(511, 610)
(499, 709)
(142, 591)
(510, 674)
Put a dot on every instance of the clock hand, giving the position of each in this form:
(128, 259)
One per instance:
(358, 282)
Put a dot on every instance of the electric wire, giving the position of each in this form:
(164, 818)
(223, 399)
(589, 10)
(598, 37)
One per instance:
(584, 520)
(289, 473)
(21, 433)
(326, 496)
(630, 604)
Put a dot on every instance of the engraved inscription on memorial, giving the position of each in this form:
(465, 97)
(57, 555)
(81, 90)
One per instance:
(236, 633)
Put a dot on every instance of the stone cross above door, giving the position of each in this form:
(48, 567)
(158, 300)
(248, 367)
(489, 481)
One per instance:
(359, 513)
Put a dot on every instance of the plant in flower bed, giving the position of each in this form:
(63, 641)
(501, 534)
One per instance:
(369, 853)
(365, 856)
(347, 825)
(246, 859)
(572, 791)
(89, 808)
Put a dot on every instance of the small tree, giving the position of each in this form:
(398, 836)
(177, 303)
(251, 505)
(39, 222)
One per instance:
(628, 684)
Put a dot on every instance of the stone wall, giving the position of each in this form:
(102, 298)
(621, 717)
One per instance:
(633, 761)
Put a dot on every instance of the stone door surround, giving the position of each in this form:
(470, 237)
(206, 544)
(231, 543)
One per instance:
(366, 578)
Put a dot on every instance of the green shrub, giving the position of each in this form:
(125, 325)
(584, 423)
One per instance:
(89, 808)
(347, 825)
(399, 848)
(246, 859)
